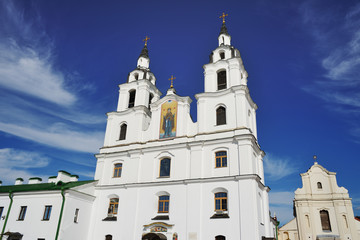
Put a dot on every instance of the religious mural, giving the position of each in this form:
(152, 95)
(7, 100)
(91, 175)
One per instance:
(168, 119)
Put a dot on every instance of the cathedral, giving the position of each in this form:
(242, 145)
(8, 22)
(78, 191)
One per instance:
(160, 175)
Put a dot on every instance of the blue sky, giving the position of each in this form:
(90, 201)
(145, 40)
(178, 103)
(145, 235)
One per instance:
(61, 62)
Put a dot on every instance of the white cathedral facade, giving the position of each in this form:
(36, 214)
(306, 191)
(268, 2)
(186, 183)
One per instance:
(160, 175)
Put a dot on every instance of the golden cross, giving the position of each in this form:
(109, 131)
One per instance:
(223, 16)
(146, 39)
(172, 79)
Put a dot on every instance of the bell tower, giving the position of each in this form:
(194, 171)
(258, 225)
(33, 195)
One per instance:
(133, 111)
(226, 92)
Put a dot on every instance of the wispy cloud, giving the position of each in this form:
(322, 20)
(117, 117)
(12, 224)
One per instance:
(337, 44)
(17, 163)
(38, 101)
(59, 136)
(26, 61)
(336, 35)
(277, 168)
(281, 198)
(281, 205)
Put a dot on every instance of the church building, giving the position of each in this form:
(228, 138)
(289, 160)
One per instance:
(160, 175)
(322, 209)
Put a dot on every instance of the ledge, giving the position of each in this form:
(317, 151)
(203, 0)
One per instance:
(161, 217)
(222, 215)
(110, 219)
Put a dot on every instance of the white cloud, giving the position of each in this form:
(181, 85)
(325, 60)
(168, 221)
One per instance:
(26, 59)
(17, 163)
(277, 168)
(281, 204)
(59, 136)
(36, 101)
(282, 198)
(337, 44)
(23, 70)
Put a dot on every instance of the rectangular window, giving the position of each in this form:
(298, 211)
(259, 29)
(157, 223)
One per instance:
(22, 213)
(163, 204)
(76, 215)
(1, 211)
(221, 201)
(221, 159)
(113, 206)
(47, 213)
(117, 170)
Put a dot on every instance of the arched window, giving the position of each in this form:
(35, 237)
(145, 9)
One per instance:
(220, 237)
(345, 222)
(165, 167)
(163, 206)
(150, 98)
(222, 55)
(117, 170)
(108, 237)
(113, 206)
(325, 220)
(221, 80)
(136, 75)
(220, 159)
(132, 94)
(123, 129)
(307, 220)
(319, 185)
(220, 116)
(221, 201)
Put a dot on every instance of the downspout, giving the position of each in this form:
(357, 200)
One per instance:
(61, 213)
(7, 215)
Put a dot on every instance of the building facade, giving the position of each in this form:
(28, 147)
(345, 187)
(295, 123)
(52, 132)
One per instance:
(323, 210)
(160, 175)
(58, 209)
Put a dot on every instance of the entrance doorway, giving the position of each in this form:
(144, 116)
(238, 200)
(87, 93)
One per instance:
(154, 236)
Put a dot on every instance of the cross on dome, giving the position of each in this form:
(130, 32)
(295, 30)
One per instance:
(315, 157)
(223, 16)
(172, 79)
(146, 39)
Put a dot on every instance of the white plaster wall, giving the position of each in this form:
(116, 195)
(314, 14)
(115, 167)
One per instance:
(4, 202)
(191, 206)
(310, 200)
(69, 228)
(33, 227)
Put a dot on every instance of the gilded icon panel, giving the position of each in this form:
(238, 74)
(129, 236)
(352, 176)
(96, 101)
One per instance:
(168, 119)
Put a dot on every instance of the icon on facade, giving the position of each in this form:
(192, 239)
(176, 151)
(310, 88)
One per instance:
(168, 119)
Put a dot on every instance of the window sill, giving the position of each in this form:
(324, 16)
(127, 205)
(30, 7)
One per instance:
(45, 220)
(20, 220)
(110, 219)
(221, 215)
(161, 217)
(164, 177)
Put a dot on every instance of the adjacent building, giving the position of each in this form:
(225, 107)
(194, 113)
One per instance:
(322, 209)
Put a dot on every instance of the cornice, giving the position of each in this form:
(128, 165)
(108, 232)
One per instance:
(184, 182)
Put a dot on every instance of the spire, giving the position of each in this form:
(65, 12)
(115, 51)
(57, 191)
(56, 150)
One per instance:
(223, 30)
(144, 52)
(144, 60)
